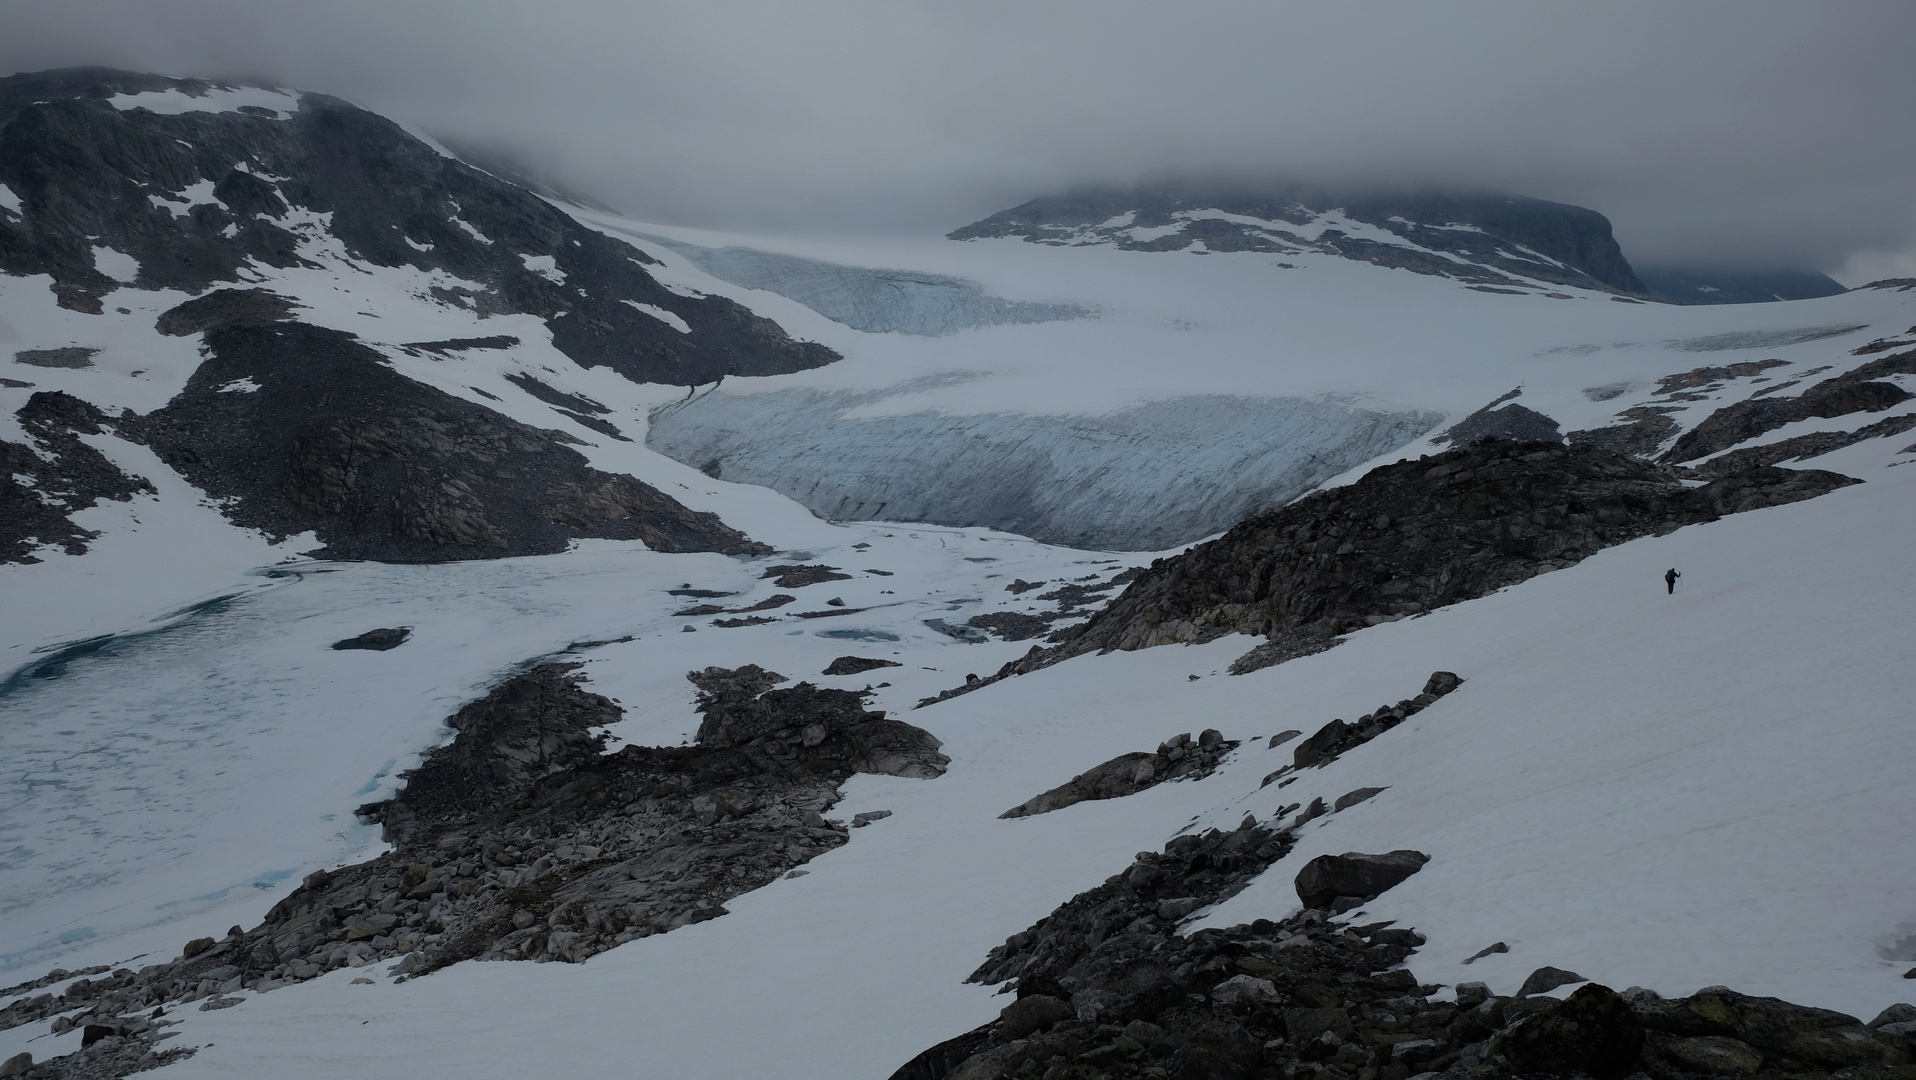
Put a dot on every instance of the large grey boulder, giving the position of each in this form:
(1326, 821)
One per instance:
(1354, 873)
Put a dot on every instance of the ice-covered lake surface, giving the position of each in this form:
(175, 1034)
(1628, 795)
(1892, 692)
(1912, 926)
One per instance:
(213, 758)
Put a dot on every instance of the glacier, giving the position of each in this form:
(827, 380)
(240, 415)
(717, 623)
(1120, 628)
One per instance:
(1146, 478)
(863, 298)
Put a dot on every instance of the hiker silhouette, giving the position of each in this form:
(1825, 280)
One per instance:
(1670, 580)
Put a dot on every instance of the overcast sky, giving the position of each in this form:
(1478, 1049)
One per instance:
(1715, 132)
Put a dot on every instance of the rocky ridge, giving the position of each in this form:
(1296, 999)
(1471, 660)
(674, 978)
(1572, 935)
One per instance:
(1177, 758)
(1467, 237)
(55, 476)
(324, 436)
(195, 198)
(1861, 389)
(1108, 989)
(1404, 539)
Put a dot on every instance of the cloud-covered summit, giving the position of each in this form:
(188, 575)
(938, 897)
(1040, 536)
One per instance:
(1711, 132)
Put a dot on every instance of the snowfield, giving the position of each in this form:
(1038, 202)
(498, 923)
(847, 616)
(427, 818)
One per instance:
(1671, 791)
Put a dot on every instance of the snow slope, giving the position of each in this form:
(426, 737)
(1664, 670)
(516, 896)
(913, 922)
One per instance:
(1670, 791)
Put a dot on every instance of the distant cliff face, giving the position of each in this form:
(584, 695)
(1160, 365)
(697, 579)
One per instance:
(1491, 240)
(1706, 285)
(140, 181)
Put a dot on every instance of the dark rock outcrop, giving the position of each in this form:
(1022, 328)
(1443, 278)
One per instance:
(1410, 537)
(64, 475)
(90, 174)
(1812, 445)
(521, 839)
(1177, 758)
(1508, 422)
(225, 307)
(380, 640)
(1355, 874)
(1593, 1032)
(1107, 988)
(799, 575)
(303, 428)
(854, 665)
(1854, 391)
(1332, 740)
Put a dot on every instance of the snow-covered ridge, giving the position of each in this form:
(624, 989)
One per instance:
(1490, 240)
(214, 99)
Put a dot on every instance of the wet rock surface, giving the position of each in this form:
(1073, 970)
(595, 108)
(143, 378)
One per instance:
(84, 171)
(522, 840)
(382, 467)
(58, 474)
(1177, 758)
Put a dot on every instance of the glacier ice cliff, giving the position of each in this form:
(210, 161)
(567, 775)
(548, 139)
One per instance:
(1142, 479)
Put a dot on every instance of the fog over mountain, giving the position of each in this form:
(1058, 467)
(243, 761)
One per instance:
(1753, 135)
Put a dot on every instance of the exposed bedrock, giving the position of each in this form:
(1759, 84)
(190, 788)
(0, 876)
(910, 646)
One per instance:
(1858, 390)
(1143, 479)
(303, 428)
(1107, 988)
(1177, 758)
(1404, 539)
(56, 476)
(1416, 535)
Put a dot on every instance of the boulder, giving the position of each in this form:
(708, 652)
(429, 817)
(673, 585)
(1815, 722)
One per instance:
(1033, 1013)
(1899, 1013)
(1354, 873)
(17, 1065)
(1545, 979)
(1245, 990)
(1592, 1031)
(1820, 1037)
